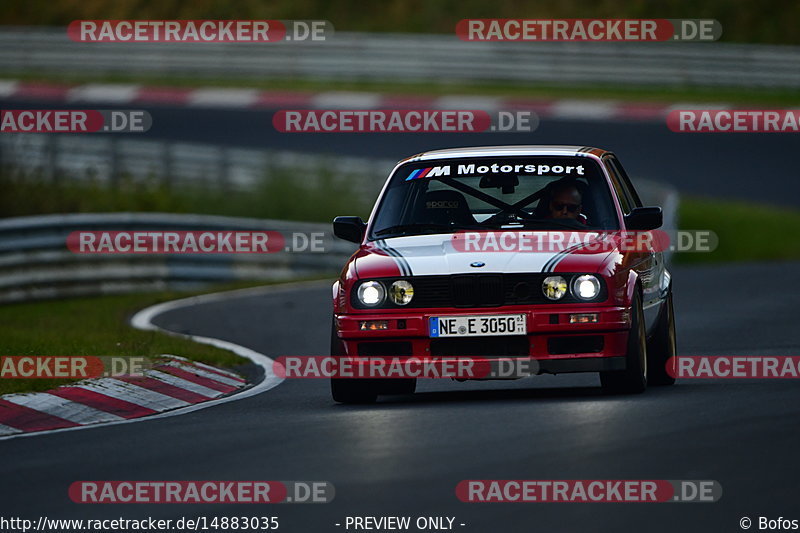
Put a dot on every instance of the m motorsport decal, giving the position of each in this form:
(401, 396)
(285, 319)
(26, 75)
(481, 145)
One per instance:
(472, 169)
(429, 172)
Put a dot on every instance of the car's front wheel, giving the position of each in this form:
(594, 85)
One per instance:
(661, 347)
(633, 379)
(350, 390)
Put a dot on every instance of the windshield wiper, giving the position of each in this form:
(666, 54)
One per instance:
(566, 223)
(405, 228)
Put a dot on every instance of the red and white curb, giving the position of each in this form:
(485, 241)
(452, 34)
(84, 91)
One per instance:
(178, 387)
(176, 383)
(231, 98)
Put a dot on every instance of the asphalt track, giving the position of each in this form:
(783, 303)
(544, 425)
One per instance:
(405, 455)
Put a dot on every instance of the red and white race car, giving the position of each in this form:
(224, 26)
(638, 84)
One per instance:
(506, 253)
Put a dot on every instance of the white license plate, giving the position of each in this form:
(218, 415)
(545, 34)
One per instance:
(477, 325)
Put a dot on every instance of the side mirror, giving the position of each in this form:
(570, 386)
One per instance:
(349, 228)
(644, 218)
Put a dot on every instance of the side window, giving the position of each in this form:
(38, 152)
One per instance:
(625, 201)
(625, 181)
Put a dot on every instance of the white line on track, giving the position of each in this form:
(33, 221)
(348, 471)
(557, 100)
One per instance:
(143, 320)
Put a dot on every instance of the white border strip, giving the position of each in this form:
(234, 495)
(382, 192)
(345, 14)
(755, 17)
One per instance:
(143, 320)
(243, 98)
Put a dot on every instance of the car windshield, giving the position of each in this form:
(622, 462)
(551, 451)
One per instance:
(544, 192)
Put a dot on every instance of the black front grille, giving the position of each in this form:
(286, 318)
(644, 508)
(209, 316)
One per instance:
(477, 291)
(384, 349)
(508, 346)
(575, 344)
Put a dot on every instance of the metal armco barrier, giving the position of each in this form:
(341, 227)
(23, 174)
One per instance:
(104, 160)
(412, 58)
(35, 262)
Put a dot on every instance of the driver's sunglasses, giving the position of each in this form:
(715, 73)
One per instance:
(572, 208)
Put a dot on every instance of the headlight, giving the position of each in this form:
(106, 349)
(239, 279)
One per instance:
(401, 292)
(554, 287)
(586, 287)
(371, 293)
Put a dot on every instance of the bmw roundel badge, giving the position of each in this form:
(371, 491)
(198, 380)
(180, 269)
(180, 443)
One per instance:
(477, 264)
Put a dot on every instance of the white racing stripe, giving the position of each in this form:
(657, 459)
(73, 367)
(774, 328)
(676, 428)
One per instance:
(428, 255)
(62, 408)
(183, 383)
(133, 394)
(402, 264)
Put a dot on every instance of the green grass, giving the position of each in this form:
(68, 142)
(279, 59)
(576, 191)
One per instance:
(322, 201)
(626, 92)
(95, 326)
(746, 232)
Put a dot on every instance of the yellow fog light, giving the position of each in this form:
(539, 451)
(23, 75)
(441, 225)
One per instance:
(401, 292)
(554, 287)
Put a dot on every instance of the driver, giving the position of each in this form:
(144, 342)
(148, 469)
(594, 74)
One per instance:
(565, 202)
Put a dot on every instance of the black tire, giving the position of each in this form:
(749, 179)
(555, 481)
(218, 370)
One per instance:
(633, 379)
(350, 390)
(661, 348)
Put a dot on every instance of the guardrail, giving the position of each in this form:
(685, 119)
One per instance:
(106, 160)
(412, 58)
(35, 262)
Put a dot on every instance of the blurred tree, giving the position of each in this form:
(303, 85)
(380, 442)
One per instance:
(755, 21)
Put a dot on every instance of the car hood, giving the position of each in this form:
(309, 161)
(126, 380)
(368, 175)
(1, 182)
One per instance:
(426, 255)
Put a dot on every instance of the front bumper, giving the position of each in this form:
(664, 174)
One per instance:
(556, 345)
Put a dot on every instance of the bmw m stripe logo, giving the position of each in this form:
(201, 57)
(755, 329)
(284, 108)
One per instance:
(419, 173)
